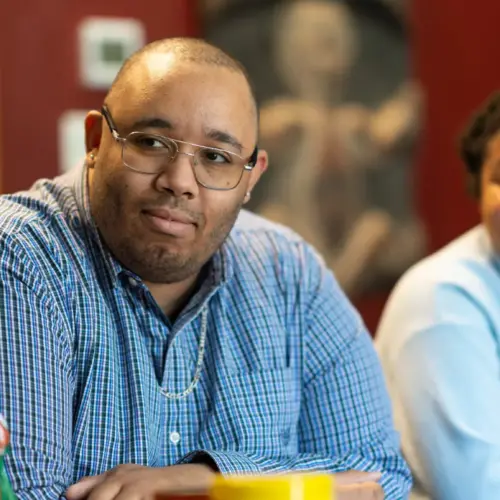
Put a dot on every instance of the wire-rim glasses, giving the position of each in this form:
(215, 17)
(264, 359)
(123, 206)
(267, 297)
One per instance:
(213, 168)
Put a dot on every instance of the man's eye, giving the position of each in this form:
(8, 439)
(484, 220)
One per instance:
(215, 156)
(149, 142)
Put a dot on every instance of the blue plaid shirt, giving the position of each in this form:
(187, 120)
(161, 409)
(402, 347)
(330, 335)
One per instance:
(290, 379)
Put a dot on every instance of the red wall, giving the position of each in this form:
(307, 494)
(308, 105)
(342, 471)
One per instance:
(456, 50)
(39, 72)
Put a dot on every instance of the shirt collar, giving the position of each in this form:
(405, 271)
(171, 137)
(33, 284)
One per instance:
(487, 246)
(221, 267)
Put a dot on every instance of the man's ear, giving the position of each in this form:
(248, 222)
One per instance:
(93, 132)
(257, 171)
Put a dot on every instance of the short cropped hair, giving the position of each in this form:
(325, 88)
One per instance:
(484, 125)
(188, 49)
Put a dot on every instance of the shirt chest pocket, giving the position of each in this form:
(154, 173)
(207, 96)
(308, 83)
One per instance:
(255, 412)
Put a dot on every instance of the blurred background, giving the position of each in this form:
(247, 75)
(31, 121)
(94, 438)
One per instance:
(361, 105)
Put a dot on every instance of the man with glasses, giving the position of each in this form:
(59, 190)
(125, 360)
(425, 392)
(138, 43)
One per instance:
(153, 333)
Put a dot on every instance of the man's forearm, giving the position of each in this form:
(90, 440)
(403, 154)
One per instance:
(395, 480)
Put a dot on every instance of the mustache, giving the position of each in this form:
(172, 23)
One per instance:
(175, 204)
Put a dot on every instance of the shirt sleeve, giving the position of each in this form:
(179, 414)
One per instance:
(346, 420)
(35, 379)
(448, 377)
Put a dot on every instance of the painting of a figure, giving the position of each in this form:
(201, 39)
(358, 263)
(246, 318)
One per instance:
(340, 119)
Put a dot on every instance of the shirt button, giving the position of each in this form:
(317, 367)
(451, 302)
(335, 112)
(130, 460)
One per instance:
(132, 282)
(175, 437)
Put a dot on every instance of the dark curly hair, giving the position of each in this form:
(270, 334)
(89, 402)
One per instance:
(474, 142)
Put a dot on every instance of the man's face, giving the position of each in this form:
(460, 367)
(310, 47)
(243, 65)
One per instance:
(490, 191)
(134, 211)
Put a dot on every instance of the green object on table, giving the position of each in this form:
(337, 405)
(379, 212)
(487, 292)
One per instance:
(6, 492)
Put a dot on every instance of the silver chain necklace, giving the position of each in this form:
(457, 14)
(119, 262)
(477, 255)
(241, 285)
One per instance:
(199, 361)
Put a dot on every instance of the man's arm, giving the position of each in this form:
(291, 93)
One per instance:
(35, 378)
(448, 377)
(345, 425)
(346, 419)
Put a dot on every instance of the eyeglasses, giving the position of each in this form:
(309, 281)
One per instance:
(213, 168)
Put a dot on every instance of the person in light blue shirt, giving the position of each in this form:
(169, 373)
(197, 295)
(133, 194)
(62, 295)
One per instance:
(439, 342)
(154, 334)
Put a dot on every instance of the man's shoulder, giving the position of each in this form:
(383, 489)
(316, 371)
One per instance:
(256, 230)
(39, 218)
(46, 199)
(461, 274)
(466, 262)
(263, 247)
